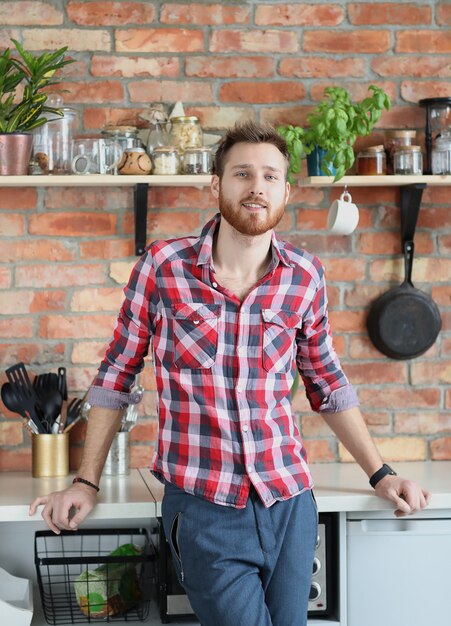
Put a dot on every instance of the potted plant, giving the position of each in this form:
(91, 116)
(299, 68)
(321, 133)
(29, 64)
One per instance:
(332, 129)
(24, 80)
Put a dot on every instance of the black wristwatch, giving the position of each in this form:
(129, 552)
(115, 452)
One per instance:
(385, 470)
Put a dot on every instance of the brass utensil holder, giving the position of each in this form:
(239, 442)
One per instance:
(50, 455)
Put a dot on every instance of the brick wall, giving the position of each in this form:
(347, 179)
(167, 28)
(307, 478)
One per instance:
(66, 253)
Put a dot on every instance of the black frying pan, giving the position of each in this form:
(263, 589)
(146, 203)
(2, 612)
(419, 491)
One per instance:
(404, 322)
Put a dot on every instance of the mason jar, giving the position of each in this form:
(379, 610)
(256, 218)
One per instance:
(395, 139)
(197, 161)
(372, 161)
(186, 132)
(441, 155)
(408, 160)
(166, 161)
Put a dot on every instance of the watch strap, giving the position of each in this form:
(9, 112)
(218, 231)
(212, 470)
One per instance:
(385, 470)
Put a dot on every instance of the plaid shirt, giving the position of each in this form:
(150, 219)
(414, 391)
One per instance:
(224, 369)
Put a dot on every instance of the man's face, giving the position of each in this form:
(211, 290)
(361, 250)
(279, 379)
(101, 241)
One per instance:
(253, 191)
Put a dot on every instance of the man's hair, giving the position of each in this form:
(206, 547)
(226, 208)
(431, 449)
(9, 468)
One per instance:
(248, 132)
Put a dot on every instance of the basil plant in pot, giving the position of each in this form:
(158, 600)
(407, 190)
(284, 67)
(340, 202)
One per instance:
(24, 82)
(332, 129)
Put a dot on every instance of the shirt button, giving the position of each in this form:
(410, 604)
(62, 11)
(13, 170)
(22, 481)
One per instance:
(241, 349)
(245, 428)
(240, 387)
(214, 285)
(250, 468)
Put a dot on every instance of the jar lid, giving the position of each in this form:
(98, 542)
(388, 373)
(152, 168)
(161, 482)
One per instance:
(203, 149)
(398, 134)
(184, 118)
(372, 151)
(120, 130)
(408, 149)
(164, 149)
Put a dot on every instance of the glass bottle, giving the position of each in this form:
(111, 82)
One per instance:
(441, 155)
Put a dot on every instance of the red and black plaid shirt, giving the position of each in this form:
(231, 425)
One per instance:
(224, 369)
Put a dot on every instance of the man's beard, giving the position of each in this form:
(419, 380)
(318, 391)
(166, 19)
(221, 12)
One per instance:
(246, 222)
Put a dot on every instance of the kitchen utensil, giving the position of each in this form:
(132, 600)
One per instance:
(50, 404)
(404, 322)
(17, 376)
(73, 410)
(62, 382)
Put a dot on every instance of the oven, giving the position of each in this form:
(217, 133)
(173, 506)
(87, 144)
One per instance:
(323, 599)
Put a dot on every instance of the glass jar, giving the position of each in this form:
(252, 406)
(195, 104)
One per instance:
(372, 161)
(393, 139)
(126, 136)
(158, 136)
(441, 155)
(197, 161)
(186, 132)
(166, 161)
(408, 160)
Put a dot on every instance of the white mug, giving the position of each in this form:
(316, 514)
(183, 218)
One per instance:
(343, 215)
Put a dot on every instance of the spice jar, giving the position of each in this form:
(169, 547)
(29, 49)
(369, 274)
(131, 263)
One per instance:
(393, 139)
(408, 160)
(441, 155)
(166, 161)
(197, 161)
(372, 161)
(186, 132)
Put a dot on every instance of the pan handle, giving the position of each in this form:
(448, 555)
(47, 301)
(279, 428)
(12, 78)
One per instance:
(408, 250)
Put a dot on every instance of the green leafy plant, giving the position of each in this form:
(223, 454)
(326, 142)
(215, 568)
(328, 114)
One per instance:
(33, 73)
(334, 126)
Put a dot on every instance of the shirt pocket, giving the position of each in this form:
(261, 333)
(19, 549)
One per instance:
(195, 327)
(279, 334)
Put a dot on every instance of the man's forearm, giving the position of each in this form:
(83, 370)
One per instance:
(103, 424)
(351, 429)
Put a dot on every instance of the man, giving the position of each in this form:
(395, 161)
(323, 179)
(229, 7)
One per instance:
(231, 314)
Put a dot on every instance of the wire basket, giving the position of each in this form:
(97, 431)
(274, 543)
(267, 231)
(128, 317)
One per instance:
(95, 574)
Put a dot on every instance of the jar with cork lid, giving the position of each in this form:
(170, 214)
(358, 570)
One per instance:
(395, 139)
(408, 160)
(372, 161)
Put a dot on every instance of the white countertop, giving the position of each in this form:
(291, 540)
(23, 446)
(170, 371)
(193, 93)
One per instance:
(338, 487)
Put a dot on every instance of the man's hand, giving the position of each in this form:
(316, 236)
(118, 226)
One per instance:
(65, 509)
(406, 494)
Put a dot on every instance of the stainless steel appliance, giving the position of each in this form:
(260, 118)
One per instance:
(323, 602)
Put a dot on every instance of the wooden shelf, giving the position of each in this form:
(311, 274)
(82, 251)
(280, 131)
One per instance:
(104, 180)
(374, 181)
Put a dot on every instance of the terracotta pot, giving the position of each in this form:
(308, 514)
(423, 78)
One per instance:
(15, 153)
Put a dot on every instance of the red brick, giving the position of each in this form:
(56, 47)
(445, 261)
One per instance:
(423, 269)
(93, 91)
(446, 346)
(311, 219)
(60, 276)
(5, 278)
(27, 13)
(361, 295)
(419, 66)
(443, 14)
(434, 217)
(396, 398)
(314, 426)
(88, 352)
(320, 450)
(344, 270)
(16, 327)
(141, 456)
(261, 92)
(389, 243)
(134, 66)
(444, 244)
(357, 41)
(170, 91)
(381, 372)
(321, 244)
(178, 198)
(18, 198)
(320, 67)
(99, 117)
(425, 372)
(435, 195)
(212, 117)
(412, 91)
(42, 250)
(145, 430)
(102, 299)
(204, 14)
(422, 423)
(406, 116)
(442, 295)
(76, 326)
(299, 14)
(107, 249)
(358, 90)
(40, 353)
(428, 41)
(448, 399)
(360, 347)
(15, 460)
(73, 224)
(110, 13)
(159, 40)
(11, 224)
(295, 115)
(88, 198)
(79, 39)
(161, 225)
(229, 67)
(347, 321)
(441, 449)
(11, 433)
(254, 41)
(363, 13)
(48, 301)
(305, 196)
(79, 379)
(394, 449)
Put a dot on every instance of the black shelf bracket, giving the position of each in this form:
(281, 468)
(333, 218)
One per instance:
(140, 195)
(411, 196)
